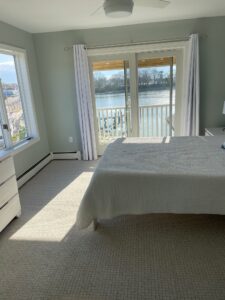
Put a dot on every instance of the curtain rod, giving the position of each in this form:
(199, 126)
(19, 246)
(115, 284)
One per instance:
(185, 38)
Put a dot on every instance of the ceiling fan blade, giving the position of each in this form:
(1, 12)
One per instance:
(95, 12)
(152, 3)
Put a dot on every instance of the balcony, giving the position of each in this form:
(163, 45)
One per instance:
(154, 120)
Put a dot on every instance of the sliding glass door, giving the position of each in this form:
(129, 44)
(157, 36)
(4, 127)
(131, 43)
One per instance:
(156, 95)
(112, 100)
(135, 95)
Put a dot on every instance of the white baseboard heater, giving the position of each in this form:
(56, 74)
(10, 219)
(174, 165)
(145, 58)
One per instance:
(66, 155)
(21, 180)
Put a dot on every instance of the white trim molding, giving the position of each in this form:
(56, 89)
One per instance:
(44, 162)
(132, 54)
(66, 155)
(31, 173)
(26, 97)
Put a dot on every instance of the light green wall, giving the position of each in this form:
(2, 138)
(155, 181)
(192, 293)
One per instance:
(56, 75)
(57, 78)
(57, 82)
(12, 36)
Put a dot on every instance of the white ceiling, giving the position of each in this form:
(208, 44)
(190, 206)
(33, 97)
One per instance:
(57, 15)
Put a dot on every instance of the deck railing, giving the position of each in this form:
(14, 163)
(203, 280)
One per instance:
(111, 123)
(154, 120)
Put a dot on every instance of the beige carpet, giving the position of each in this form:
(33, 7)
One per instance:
(44, 256)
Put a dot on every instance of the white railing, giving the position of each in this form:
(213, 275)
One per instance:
(111, 123)
(154, 120)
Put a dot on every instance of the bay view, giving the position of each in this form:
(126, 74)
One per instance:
(113, 101)
(113, 117)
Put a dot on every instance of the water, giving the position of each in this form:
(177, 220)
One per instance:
(154, 122)
(145, 98)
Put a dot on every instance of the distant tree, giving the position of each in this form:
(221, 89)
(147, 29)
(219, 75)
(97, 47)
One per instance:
(155, 76)
(161, 77)
(117, 81)
(100, 82)
(151, 77)
(145, 78)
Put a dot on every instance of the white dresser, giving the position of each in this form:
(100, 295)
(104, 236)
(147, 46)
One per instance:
(214, 131)
(9, 197)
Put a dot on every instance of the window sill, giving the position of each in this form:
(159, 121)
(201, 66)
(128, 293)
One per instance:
(18, 148)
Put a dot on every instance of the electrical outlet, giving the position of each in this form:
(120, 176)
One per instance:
(70, 139)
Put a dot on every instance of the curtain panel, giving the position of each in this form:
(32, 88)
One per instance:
(84, 102)
(192, 96)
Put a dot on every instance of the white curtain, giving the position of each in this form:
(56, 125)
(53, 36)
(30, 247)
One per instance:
(84, 101)
(192, 97)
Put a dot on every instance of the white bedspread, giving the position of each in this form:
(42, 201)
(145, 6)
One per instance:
(157, 175)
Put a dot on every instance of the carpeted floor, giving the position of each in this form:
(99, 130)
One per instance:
(44, 256)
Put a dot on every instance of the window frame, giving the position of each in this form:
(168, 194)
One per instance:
(26, 96)
(179, 49)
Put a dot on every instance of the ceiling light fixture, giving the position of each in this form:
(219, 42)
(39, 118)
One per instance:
(118, 8)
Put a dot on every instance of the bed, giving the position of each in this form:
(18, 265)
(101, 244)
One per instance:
(156, 175)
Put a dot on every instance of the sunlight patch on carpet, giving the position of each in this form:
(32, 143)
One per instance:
(54, 221)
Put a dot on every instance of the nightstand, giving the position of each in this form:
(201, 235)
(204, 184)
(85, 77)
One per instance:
(214, 131)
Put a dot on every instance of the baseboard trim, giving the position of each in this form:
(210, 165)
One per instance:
(66, 155)
(22, 179)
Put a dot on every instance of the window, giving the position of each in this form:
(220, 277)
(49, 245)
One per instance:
(17, 120)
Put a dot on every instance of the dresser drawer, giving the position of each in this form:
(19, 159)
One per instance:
(10, 211)
(7, 190)
(6, 169)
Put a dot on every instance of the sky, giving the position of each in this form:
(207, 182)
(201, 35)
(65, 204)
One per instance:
(7, 69)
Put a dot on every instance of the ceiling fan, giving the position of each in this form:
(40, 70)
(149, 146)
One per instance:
(124, 8)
